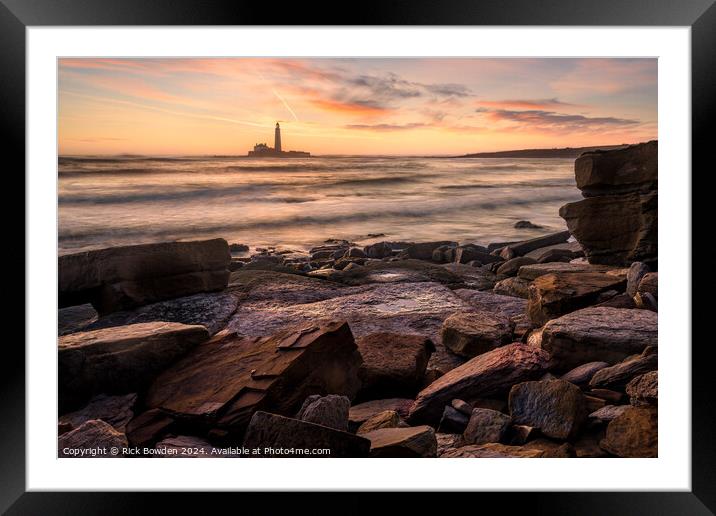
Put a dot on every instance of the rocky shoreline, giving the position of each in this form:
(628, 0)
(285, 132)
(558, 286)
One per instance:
(540, 348)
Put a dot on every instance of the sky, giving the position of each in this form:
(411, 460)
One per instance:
(386, 106)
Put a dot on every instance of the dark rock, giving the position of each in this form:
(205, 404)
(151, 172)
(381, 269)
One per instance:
(581, 375)
(631, 169)
(119, 360)
(448, 442)
(649, 284)
(516, 287)
(608, 412)
(494, 451)
(486, 426)
(95, 438)
(556, 407)
(644, 389)
(476, 278)
(607, 395)
(633, 434)
(646, 301)
(510, 267)
(355, 252)
(452, 421)
(238, 248)
(503, 306)
(75, 318)
(115, 410)
(393, 364)
(565, 249)
(592, 403)
(378, 250)
(273, 434)
(518, 435)
(469, 252)
(330, 411)
(416, 441)
(553, 295)
(472, 333)
(532, 272)
(424, 250)
(598, 334)
(637, 270)
(362, 412)
(118, 278)
(149, 427)
(444, 253)
(491, 373)
(551, 449)
(185, 446)
(385, 419)
(619, 301)
(619, 375)
(462, 406)
(228, 378)
(524, 247)
(401, 271)
(526, 224)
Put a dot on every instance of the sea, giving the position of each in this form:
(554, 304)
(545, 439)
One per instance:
(106, 201)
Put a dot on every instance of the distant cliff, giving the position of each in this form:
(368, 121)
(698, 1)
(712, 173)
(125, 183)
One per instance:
(566, 152)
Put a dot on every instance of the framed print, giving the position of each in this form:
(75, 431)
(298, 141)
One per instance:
(416, 250)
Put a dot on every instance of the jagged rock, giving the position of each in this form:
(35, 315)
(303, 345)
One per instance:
(273, 434)
(516, 287)
(472, 252)
(447, 442)
(631, 169)
(385, 419)
(644, 389)
(75, 318)
(649, 284)
(393, 364)
(565, 249)
(472, 333)
(229, 378)
(416, 441)
(532, 272)
(115, 410)
(608, 412)
(474, 278)
(486, 426)
(581, 375)
(637, 270)
(149, 427)
(489, 374)
(453, 421)
(553, 295)
(355, 252)
(362, 412)
(556, 407)
(646, 301)
(124, 277)
(330, 411)
(493, 451)
(524, 247)
(95, 438)
(510, 267)
(462, 406)
(119, 360)
(633, 434)
(619, 375)
(526, 224)
(598, 334)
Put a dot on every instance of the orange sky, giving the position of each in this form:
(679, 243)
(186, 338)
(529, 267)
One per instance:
(412, 106)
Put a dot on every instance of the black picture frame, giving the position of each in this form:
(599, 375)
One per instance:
(17, 15)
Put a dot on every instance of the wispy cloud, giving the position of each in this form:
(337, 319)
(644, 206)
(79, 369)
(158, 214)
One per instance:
(524, 104)
(553, 120)
(387, 127)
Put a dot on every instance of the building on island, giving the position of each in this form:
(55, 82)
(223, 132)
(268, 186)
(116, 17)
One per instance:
(261, 150)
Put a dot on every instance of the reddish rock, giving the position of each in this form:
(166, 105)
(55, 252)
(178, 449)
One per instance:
(472, 333)
(494, 451)
(149, 427)
(115, 410)
(516, 287)
(385, 419)
(649, 284)
(330, 411)
(416, 441)
(510, 267)
(633, 434)
(532, 272)
(362, 412)
(608, 412)
(94, 438)
(486, 426)
(644, 389)
(619, 375)
(581, 375)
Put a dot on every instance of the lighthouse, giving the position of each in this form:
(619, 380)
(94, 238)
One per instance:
(277, 138)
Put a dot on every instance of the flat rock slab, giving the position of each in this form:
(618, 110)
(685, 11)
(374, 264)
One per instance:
(115, 410)
(398, 271)
(619, 375)
(418, 441)
(275, 289)
(510, 267)
(555, 294)
(120, 360)
(581, 375)
(75, 318)
(601, 334)
(492, 373)
(470, 334)
(515, 287)
(94, 438)
(229, 378)
(608, 412)
(273, 435)
(124, 277)
(524, 247)
(571, 249)
(478, 278)
(393, 364)
(506, 306)
(633, 434)
(493, 451)
(362, 412)
(532, 272)
(385, 419)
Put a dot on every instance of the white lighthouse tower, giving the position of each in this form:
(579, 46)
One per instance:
(277, 138)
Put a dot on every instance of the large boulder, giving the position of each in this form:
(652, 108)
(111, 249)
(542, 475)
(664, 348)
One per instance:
(330, 411)
(619, 375)
(94, 438)
(273, 435)
(119, 360)
(118, 278)
(634, 433)
(617, 223)
(503, 306)
(556, 407)
(229, 378)
(472, 333)
(393, 364)
(553, 295)
(416, 441)
(601, 334)
(489, 374)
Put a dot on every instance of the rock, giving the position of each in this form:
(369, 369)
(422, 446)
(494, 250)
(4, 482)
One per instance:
(444, 253)
(588, 447)
(504, 306)
(362, 412)
(75, 318)
(399, 271)
(581, 375)
(211, 310)
(185, 446)
(524, 247)
(119, 360)
(238, 248)
(94, 438)
(452, 421)
(526, 224)
(568, 249)
(649, 284)
(228, 378)
(551, 449)
(493, 451)
(592, 403)
(633, 434)
(516, 287)
(644, 389)
(553, 295)
(556, 407)
(606, 395)
(645, 301)
(619, 301)
(637, 270)
(520, 434)
(416, 441)
(631, 169)
(378, 250)
(474, 278)
(532, 272)
(424, 250)
(330, 411)
(598, 334)
(470, 334)
(462, 406)
(510, 267)
(393, 364)
(470, 252)
(619, 375)
(486, 426)
(448, 442)
(352, 266)
(608, 412)
(489, 374)
(115, 410)
(274, 436)
(118, 278)
(385, 419)
(149, 427)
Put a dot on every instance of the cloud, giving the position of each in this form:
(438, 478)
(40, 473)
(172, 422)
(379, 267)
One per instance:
(354, 107)
(554, 120)
(524, 104)
(387, 127)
